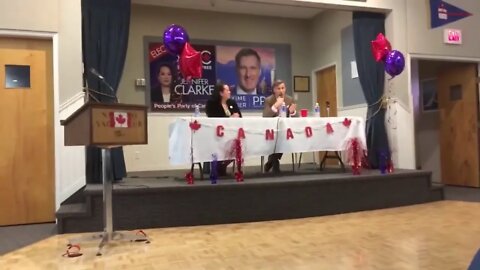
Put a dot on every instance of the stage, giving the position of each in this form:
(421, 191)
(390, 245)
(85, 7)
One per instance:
(163, 199)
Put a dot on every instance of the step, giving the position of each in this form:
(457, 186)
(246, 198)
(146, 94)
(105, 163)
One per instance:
(437, 192)
(71, 210)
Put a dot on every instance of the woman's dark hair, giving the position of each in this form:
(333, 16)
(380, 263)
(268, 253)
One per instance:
(219, 87)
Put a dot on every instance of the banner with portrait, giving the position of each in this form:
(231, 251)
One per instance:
(248, 70)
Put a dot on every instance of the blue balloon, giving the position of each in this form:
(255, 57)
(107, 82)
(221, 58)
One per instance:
(394, 63)
(174, 39)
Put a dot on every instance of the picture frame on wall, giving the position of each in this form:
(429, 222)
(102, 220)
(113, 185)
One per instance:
(429, 95)
(301, 83)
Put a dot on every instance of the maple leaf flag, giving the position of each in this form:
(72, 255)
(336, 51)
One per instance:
(119, 120)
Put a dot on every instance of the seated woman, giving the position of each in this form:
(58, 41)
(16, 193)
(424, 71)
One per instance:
(220, 105)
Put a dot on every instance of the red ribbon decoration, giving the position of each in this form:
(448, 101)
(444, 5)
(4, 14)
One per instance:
(189, 178)
(355, 153)
(329, 128)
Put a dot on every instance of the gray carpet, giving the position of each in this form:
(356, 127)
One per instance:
(15, 237)
(462, 194)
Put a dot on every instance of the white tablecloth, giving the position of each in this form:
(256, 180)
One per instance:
(187, 145)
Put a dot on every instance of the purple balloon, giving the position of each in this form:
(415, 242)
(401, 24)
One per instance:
(394, 63)
(174, 38)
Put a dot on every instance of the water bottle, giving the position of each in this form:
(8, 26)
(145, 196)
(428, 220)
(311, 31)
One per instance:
(197, 111)
(316, 110)
(283, 110)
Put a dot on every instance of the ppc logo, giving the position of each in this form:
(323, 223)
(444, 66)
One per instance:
(206, 57)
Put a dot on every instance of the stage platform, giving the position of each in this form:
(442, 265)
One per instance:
(163, 199)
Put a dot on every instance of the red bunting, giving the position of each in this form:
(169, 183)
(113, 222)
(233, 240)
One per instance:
(269, 134)
(308, 132)
(329, 128)
(220, 132)
(289, 134)
(241, 133)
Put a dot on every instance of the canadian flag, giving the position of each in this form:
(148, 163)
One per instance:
(120, 120)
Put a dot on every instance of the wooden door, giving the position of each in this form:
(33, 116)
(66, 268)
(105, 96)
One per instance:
(327, 94)
(26, 132)
(458, 104)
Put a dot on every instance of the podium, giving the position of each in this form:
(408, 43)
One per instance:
(107, 125)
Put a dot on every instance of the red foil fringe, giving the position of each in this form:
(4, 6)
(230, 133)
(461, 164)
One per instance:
(238, 159)
(189, 178)
(355, 155)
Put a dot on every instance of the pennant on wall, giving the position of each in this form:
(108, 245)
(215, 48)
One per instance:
(442, 13)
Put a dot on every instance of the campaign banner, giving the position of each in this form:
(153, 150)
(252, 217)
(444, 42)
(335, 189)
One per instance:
(248, 71)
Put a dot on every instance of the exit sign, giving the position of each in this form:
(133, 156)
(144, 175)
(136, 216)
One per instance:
(452, 36)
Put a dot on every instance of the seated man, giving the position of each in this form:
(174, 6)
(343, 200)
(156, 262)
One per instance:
(272, 108)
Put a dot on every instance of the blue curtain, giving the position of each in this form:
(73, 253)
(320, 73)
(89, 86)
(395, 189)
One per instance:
(105, 29)
(366, 27)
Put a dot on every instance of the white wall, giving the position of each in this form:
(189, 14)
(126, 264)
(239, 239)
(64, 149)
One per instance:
(326, 41)
(31, 15)
(70, 170)
(70, 49)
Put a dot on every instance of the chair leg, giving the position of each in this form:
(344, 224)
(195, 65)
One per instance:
(261, 164)
(293, 162)
(340, 160)
(300, 160)
(233, 166)
(201, 170)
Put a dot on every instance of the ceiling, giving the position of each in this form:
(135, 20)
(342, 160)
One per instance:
(287, 9)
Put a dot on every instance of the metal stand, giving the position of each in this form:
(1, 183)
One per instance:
(108, 234)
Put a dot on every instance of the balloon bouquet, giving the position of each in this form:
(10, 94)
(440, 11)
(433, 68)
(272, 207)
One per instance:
(176, 41)
(394, 63)
(393, 60)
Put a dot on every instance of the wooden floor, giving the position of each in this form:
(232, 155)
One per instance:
(442, 235)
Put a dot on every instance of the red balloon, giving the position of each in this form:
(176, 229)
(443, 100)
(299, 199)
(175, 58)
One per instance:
(380, 47)
(190, 63)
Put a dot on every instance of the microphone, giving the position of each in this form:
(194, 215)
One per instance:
(102, 79)
(95, 72)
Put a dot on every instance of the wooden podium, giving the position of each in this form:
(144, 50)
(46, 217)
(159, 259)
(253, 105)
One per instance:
(107, 126)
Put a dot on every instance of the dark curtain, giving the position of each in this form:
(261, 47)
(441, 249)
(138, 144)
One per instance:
(105, 28)
(366, 27)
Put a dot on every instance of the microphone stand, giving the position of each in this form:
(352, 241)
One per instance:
(102, 79)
